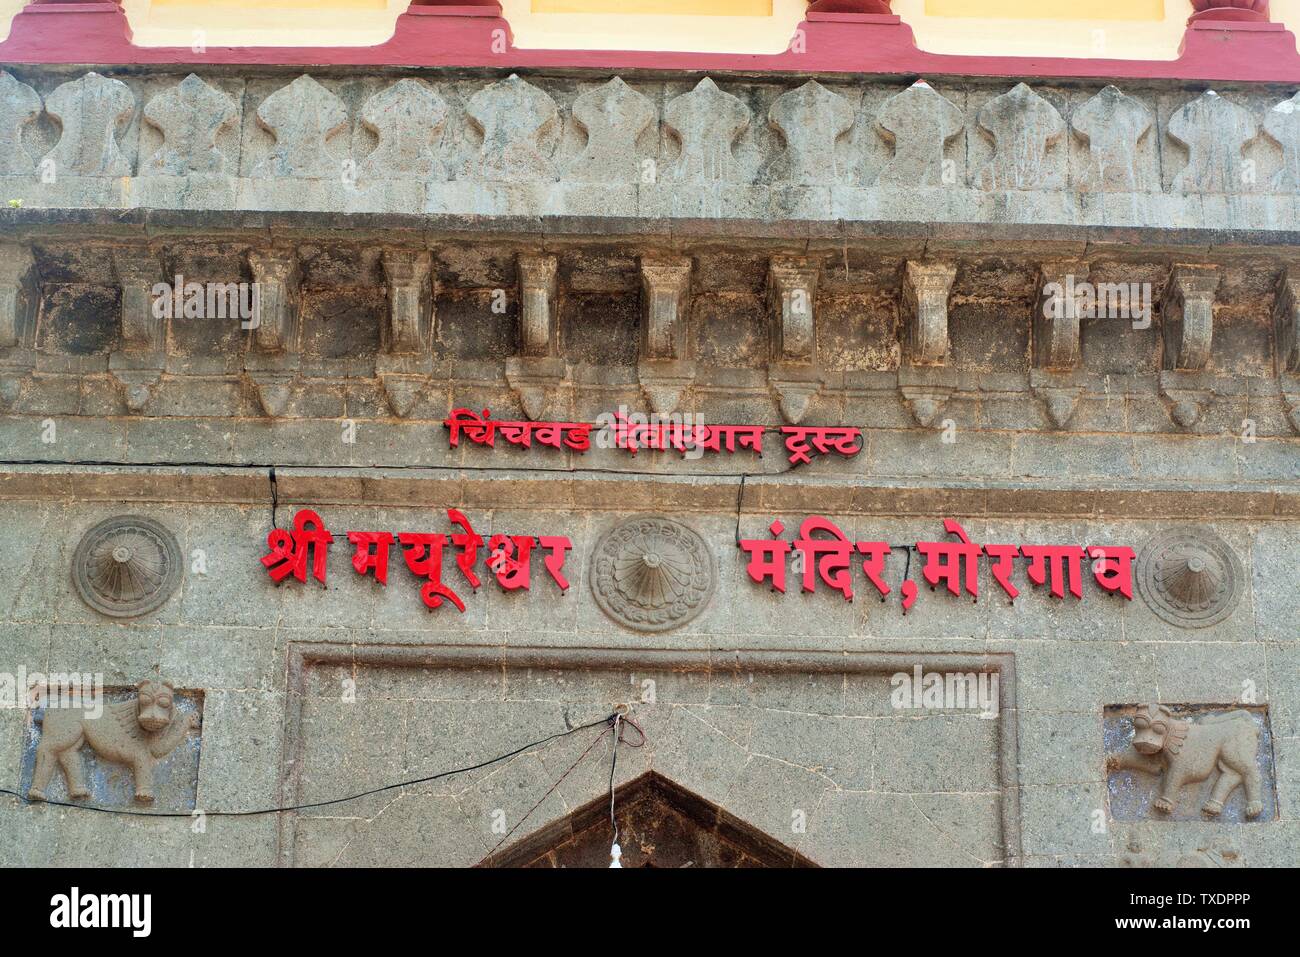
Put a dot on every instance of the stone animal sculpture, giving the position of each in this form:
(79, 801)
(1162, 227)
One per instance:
(1188, 752)
(139, 733)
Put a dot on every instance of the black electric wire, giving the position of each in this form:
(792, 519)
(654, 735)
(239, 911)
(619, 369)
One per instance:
(613, 764)
(316, 804)
(549, 792)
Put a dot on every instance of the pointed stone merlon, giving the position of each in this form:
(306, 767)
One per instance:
(144, 327)
(18, 294)
(925, 291)
(1056, 323)
(1288, 322)
(1188, 316)
(407, 274)
(792, 284)
(538, 329)
(665, 291)
(276, 275)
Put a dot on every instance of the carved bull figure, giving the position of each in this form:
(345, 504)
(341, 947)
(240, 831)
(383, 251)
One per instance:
(139, 733)
(1188, 752)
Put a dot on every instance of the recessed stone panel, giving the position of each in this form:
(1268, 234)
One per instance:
(1182, 762)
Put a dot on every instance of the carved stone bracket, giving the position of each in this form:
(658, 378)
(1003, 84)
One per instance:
(276, 328)
(925, 402)
(1058, 394)
(539, 334)
(138, 364)
(792, 370)
(1056, 321)
(404, 363)
(792, 287)
(665, 291)
(19, 298)
(665, 382)
(272, 389)
(665, 370)
(272, 361)
(794, 387)
(1188, 316)
(410, 301)
(138, 271)
(925, 291)
(537, 383)
(1189, 396)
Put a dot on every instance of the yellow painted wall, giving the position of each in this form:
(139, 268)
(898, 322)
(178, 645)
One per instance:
(1124, 29)
(1048, 9)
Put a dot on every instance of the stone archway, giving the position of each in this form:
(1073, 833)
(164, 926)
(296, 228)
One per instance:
(660, 823)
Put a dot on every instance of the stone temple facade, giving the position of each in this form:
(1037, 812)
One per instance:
(1022, 356)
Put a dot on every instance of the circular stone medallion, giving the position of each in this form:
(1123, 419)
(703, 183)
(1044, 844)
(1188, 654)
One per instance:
(126, 566)
(1189, 576)
(652, 574)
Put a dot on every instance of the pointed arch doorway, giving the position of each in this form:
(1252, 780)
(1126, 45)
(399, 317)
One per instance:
(660, 823)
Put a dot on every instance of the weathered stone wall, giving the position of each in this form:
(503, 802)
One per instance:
(766, 704)
(858, 254)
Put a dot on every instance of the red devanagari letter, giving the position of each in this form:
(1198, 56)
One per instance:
(874, 564)
(469, 542)
(424, 558)
(767, 557)
(371, 553)
(481, 431)
(1002, 566)
(1064, 559)
(796, 443)
(289, 550)
(510, 559)
(825, 558)
(1113, 568)
(558, 546)
(944, 561)
(282, 560)
(577, 435)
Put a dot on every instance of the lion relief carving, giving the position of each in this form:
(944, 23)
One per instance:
(1188, 752)
(138, 733)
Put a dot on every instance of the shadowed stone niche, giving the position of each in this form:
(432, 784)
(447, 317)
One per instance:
(141, 748)
(660, 824)
(127, 566)
(1190, 763)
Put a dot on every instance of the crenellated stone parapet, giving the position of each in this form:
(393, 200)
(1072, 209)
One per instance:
(1129, 154)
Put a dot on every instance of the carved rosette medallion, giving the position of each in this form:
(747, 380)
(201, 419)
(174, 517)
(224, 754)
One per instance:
(652, 574)
(127, 566)
(1190, 577)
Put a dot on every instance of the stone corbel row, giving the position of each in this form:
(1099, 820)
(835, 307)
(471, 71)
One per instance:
(539, 375)
(1187, 322)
